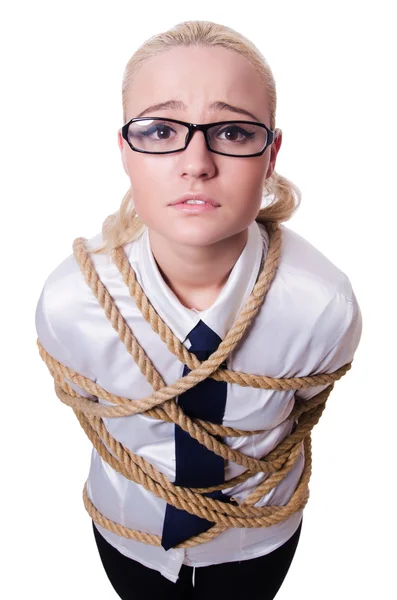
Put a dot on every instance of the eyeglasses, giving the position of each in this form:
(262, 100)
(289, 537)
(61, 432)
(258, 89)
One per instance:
(153, 135)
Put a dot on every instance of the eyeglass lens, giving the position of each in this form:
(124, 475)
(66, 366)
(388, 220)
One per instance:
(159, 135)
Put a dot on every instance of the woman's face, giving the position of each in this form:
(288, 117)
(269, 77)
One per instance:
(198, 77)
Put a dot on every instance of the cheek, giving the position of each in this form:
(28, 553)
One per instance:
(150, 184)
(249, 178)
(147, 176)
(139, 168)
(248, 192)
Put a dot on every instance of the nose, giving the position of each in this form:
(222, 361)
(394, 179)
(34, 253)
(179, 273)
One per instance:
(196, 160)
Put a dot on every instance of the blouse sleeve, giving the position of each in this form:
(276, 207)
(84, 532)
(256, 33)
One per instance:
(51, 343)
(343, 350)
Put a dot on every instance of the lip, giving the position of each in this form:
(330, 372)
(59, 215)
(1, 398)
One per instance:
(210, 202)
(194, 209)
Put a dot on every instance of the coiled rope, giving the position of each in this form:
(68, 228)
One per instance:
(162, 405)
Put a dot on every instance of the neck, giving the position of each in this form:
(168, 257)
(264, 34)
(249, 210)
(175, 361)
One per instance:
(196, 274)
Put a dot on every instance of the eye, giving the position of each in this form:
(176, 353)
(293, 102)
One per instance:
(233, 131)
(164, 131)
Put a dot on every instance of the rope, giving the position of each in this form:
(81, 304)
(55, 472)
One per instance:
(162, 405)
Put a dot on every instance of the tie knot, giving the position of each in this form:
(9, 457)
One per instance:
(204, 341)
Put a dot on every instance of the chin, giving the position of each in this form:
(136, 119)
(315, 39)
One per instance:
(194, 237)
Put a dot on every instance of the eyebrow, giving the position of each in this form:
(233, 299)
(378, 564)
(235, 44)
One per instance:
(178, 105)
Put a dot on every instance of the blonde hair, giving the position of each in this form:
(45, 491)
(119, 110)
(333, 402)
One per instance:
(124, 225)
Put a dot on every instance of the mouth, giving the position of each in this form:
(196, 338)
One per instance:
(196, 200)
(194, 208)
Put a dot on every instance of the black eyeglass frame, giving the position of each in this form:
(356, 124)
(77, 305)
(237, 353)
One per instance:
(195, 127)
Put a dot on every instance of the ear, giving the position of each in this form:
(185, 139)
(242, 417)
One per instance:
(121, 144)
(274, 148)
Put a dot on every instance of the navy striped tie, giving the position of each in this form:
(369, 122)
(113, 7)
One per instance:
(196, 466)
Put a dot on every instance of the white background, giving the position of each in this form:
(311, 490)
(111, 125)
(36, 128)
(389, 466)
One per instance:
(61, 176)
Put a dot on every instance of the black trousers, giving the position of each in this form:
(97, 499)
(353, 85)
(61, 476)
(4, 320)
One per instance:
(257, 578)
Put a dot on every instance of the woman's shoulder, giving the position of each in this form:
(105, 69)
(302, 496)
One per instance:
(67, 283)
(309, 289)
(68, 313)
(311, 310)
(306, 264)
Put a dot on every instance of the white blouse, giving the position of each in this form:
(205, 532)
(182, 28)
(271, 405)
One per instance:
(309, 323)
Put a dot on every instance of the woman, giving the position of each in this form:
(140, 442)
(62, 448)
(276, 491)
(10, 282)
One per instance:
(197, 239)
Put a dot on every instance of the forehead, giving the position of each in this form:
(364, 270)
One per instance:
(198, 76)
